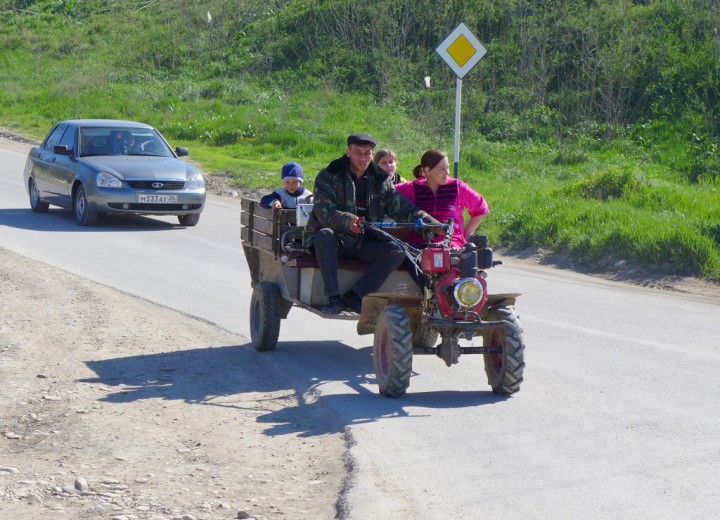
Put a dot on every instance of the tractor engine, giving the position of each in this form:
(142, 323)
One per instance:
(457, 278)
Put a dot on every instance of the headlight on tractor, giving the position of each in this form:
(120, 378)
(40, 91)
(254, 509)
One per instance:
(468, 292)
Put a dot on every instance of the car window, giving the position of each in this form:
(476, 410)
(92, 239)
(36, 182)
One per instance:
(122, 141)
(54, 137)
(94, 141)
(68, 138)
(150, 144)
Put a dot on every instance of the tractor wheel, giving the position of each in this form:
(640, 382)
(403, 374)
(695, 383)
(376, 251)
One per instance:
(393, 351)
(424, 337)
(264, 316)
(504, 369)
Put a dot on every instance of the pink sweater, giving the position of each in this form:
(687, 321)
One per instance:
(450, 201)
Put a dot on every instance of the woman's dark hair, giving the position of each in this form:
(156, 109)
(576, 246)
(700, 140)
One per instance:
(429, 160)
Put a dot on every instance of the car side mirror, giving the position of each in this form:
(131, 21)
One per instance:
(181, 151)
(63, 149)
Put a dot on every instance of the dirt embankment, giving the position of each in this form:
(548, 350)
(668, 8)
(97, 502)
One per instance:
(112, 407)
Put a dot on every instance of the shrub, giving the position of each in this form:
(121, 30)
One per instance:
(610, 184)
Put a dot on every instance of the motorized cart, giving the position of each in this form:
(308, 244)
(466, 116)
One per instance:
(449, 301)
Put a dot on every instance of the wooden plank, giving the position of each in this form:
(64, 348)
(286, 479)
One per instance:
(258, 240)
(257, 223)
(259, 211)
(247, 204)
(262, 225)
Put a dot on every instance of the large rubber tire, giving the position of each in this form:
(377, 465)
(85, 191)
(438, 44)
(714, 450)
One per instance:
(505, 369)
(425, 338)
(393, 351)
(265, 316)
(37, 205)
(189, 220)
(85, 214)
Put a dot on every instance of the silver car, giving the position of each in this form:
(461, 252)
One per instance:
(95, 166)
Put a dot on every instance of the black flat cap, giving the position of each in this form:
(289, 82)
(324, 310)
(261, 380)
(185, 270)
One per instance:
(361, 139)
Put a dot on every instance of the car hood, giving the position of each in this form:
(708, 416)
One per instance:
(139, 167)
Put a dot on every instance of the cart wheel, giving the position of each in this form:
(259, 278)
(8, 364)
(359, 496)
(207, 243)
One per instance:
(504, 368)
(265, 316)
(392, 351)
(424, 337)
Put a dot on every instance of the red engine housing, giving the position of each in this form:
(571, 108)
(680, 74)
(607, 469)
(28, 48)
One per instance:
(444, 298)
(435, 260)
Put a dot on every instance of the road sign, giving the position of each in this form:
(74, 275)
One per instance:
(461, 50)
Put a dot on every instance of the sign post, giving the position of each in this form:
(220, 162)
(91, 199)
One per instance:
(461, 50)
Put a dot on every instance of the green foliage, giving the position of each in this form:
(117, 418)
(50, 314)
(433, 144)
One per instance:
(590, 127)
(610, 184)
(594, 232)
(678, 144)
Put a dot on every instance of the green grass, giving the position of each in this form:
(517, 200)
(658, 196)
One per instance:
(594, 211)
(648, 195)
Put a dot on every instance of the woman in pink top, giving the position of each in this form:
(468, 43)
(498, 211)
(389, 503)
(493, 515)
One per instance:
(443, 197)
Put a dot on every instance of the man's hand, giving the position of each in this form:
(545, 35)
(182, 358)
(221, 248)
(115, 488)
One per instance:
(276, 204)
(355, 226)
(432, 221)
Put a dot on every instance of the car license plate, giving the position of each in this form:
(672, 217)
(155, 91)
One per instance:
(157, 199)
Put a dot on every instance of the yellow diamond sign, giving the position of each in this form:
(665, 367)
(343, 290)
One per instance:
(461, 50)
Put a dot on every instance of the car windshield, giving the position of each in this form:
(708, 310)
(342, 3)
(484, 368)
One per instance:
(122, 141)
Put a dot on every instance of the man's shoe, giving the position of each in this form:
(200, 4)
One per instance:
(352, 301)
(333, 306)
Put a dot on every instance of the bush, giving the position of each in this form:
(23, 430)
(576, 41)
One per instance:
(610, 184)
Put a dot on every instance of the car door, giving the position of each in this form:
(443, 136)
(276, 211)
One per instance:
(43, 161)
(63, 168)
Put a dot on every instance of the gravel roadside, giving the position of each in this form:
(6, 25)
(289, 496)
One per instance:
(112, 407)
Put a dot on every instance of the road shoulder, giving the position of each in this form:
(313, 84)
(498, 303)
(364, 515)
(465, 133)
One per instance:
(111, 405)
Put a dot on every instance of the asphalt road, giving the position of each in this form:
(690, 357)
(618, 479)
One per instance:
(617, 418)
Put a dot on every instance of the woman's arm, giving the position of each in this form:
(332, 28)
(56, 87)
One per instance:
(472, 225)
(472, 201)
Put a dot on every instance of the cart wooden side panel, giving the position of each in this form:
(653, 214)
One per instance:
(297, 277)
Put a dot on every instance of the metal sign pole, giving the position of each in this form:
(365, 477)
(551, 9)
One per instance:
(456, 156)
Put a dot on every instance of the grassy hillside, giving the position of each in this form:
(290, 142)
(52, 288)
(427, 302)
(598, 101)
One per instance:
(619, 162)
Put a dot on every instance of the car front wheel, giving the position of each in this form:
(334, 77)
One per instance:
(85, 215)
(37, 205)
(191, 219)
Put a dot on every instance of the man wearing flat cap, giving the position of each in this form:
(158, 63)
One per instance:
(350, 189)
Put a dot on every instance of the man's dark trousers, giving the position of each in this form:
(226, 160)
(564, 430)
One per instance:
(382, 257)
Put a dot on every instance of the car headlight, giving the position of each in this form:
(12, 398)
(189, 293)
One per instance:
(196, 183)
(107, 180)
(468, 292)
